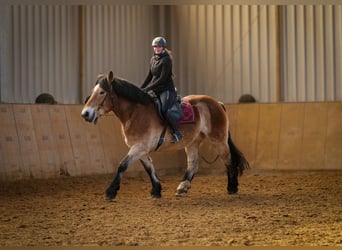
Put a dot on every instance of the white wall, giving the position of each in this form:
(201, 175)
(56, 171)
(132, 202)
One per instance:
(277, 53)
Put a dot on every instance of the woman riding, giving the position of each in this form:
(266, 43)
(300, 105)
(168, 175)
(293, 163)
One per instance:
(159, 83)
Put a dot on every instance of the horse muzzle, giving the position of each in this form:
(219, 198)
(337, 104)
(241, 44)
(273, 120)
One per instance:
(89, 115)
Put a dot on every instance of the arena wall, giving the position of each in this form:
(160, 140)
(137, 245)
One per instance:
(48, 141)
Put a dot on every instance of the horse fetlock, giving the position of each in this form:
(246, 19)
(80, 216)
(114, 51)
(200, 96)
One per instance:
(156, 190)
(183, 188)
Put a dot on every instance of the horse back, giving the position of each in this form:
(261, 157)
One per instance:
(212, 115)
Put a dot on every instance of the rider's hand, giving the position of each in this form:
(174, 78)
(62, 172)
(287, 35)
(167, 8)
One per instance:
(152, 93)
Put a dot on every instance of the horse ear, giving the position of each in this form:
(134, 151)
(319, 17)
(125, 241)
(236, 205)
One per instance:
(110, 76)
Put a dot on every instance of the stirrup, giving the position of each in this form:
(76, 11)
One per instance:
(176, 137)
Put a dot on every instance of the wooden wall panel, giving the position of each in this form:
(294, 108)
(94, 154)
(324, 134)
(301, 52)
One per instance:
(169, 163)
(10, 155)
(333, 147)
(268, 136)
(314, 132)
(290, 138)
(41, 141)
(27, 141)
(86, 143)
(62, 140)
(48, 156)
(247, 121)
(95, 149)
(78, 130)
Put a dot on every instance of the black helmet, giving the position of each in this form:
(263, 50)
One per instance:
(159, 41)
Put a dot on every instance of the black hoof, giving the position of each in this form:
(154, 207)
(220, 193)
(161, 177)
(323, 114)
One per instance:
(232, 192)
(155, 196)
(110, 195)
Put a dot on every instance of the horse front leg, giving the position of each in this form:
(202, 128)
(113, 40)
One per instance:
(114, 187)
(146, 161)
(192, 168)
(134, 153)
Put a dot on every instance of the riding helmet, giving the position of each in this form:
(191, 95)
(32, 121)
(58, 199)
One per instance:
(159, 41)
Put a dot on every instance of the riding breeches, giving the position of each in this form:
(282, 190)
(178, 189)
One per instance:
(167, 99)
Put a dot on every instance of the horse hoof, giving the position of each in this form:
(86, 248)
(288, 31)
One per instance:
(232, 192)
(181, 192)
(155, 196)
(109, 197)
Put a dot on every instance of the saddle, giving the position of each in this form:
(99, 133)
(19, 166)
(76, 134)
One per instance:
(188, 115)
(181, 109)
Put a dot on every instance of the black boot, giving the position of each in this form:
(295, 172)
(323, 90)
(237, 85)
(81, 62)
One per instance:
(176, 134)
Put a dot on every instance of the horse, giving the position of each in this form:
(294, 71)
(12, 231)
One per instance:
(143, 130)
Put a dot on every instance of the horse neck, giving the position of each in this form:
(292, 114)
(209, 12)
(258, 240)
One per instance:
(123, 108)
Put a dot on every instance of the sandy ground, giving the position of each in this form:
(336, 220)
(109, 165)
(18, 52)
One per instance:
(271, 209)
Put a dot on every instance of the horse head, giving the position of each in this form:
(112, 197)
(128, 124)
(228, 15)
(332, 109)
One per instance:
(100, 100)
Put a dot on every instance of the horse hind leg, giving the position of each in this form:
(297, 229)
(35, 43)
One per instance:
(146, 161)
(225, 154)
(192, 168)
(232, 174)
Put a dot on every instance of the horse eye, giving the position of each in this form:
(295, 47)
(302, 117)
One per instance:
(102, 93)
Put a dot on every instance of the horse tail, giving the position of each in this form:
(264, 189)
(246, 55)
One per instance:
(238, 160)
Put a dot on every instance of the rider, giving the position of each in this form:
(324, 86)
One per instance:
(159, 82)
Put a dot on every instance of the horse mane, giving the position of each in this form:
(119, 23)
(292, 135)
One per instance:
(130, 91)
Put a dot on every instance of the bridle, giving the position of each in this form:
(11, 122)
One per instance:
(108, 88)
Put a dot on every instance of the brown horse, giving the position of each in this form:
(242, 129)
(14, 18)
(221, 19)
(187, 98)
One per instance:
(142, 129)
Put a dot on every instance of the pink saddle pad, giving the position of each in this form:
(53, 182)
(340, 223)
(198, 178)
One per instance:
(188, 113)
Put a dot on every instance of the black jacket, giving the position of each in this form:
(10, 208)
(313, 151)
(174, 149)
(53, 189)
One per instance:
(159, 77)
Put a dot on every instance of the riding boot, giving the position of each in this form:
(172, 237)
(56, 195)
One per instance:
(176, 134)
